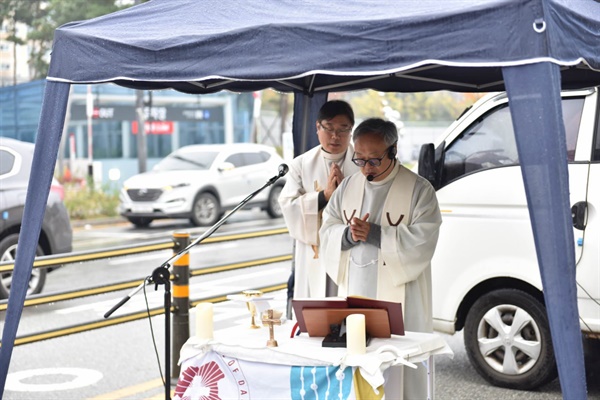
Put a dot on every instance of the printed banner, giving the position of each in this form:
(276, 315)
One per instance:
(216, 377)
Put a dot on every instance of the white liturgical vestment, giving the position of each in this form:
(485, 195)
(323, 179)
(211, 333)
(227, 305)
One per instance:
(399, 270)
(308, 176)
(405, 206)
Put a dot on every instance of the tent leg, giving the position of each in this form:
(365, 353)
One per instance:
(536, 109)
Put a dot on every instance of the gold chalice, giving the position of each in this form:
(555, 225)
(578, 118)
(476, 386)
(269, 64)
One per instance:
(252, 306)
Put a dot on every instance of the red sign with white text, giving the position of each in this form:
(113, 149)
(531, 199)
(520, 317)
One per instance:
(154, 127)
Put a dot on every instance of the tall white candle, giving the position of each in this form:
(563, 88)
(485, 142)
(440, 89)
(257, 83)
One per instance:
(356, 334)
(204, 320)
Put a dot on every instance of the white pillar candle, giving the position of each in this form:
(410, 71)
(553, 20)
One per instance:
(204, 321)
(356, 334)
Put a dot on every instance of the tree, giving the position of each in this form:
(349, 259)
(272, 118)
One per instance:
(14, 12)
(273, 100)
(43, 17)
(396, 107)
(421, 106)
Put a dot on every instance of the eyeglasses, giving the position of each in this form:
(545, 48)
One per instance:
(374, 162)
(331, 131)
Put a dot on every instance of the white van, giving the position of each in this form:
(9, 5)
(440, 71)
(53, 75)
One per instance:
(485, 273)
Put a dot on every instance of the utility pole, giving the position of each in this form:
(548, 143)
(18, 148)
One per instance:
(15, 43)
(64, 138)
(89, 110)
(283, 112)
(256, 117)
(142, 152)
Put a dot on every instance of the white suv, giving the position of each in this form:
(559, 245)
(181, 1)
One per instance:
(485, 273)
(201, 182)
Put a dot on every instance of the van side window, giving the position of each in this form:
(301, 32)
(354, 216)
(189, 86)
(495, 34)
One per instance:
(490, 141)
(572, 112)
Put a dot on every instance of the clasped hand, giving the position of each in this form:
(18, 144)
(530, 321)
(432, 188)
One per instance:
(335, 177)
(359, 228)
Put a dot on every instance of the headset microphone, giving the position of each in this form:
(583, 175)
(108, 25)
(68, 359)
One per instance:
(392, 156)
(370, 177)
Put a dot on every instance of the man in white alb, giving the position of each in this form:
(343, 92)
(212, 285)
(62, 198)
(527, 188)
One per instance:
(379, 233)
(312, 179)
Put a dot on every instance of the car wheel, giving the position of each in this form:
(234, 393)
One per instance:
(273, 207)
(205, 210)
(508, 341)
(140, 222)
(8, 252)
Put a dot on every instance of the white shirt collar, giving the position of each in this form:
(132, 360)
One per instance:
(388, 178)
(332, 157)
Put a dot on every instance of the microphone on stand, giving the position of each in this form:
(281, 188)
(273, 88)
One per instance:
(161, 274)
(283, 169)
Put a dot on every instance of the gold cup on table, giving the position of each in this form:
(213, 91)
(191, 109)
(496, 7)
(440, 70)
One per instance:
(252, 306)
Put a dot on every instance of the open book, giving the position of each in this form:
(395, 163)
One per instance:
(315, 315)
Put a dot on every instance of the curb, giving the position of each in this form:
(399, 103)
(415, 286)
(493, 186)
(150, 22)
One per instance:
(80, 223)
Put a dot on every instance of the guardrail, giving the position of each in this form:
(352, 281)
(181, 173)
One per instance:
(181, 328)
(69, 258)
(91, 255)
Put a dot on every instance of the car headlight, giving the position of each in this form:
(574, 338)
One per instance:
(180, 185)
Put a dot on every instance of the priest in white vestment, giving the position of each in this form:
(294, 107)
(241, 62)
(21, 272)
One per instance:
(311, 180)
(379, 233)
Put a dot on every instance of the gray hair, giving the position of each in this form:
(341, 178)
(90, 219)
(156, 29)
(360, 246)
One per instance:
(384, 129)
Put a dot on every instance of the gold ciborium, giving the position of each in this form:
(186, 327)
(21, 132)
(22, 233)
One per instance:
(252, 306)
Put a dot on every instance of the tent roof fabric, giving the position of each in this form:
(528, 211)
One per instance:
(312, 47)
(212, 45)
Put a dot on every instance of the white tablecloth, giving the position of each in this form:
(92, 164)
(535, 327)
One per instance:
(247, 344)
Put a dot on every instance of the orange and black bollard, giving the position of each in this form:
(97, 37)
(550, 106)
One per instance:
(181, 299)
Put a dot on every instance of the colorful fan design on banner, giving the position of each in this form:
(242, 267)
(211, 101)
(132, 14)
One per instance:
(200, 383)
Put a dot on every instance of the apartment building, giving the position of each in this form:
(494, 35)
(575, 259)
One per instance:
(14, 59)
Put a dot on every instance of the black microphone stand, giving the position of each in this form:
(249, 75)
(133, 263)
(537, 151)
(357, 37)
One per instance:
(161, 276)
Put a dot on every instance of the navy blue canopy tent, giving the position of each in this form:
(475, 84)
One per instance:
(531, 48)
